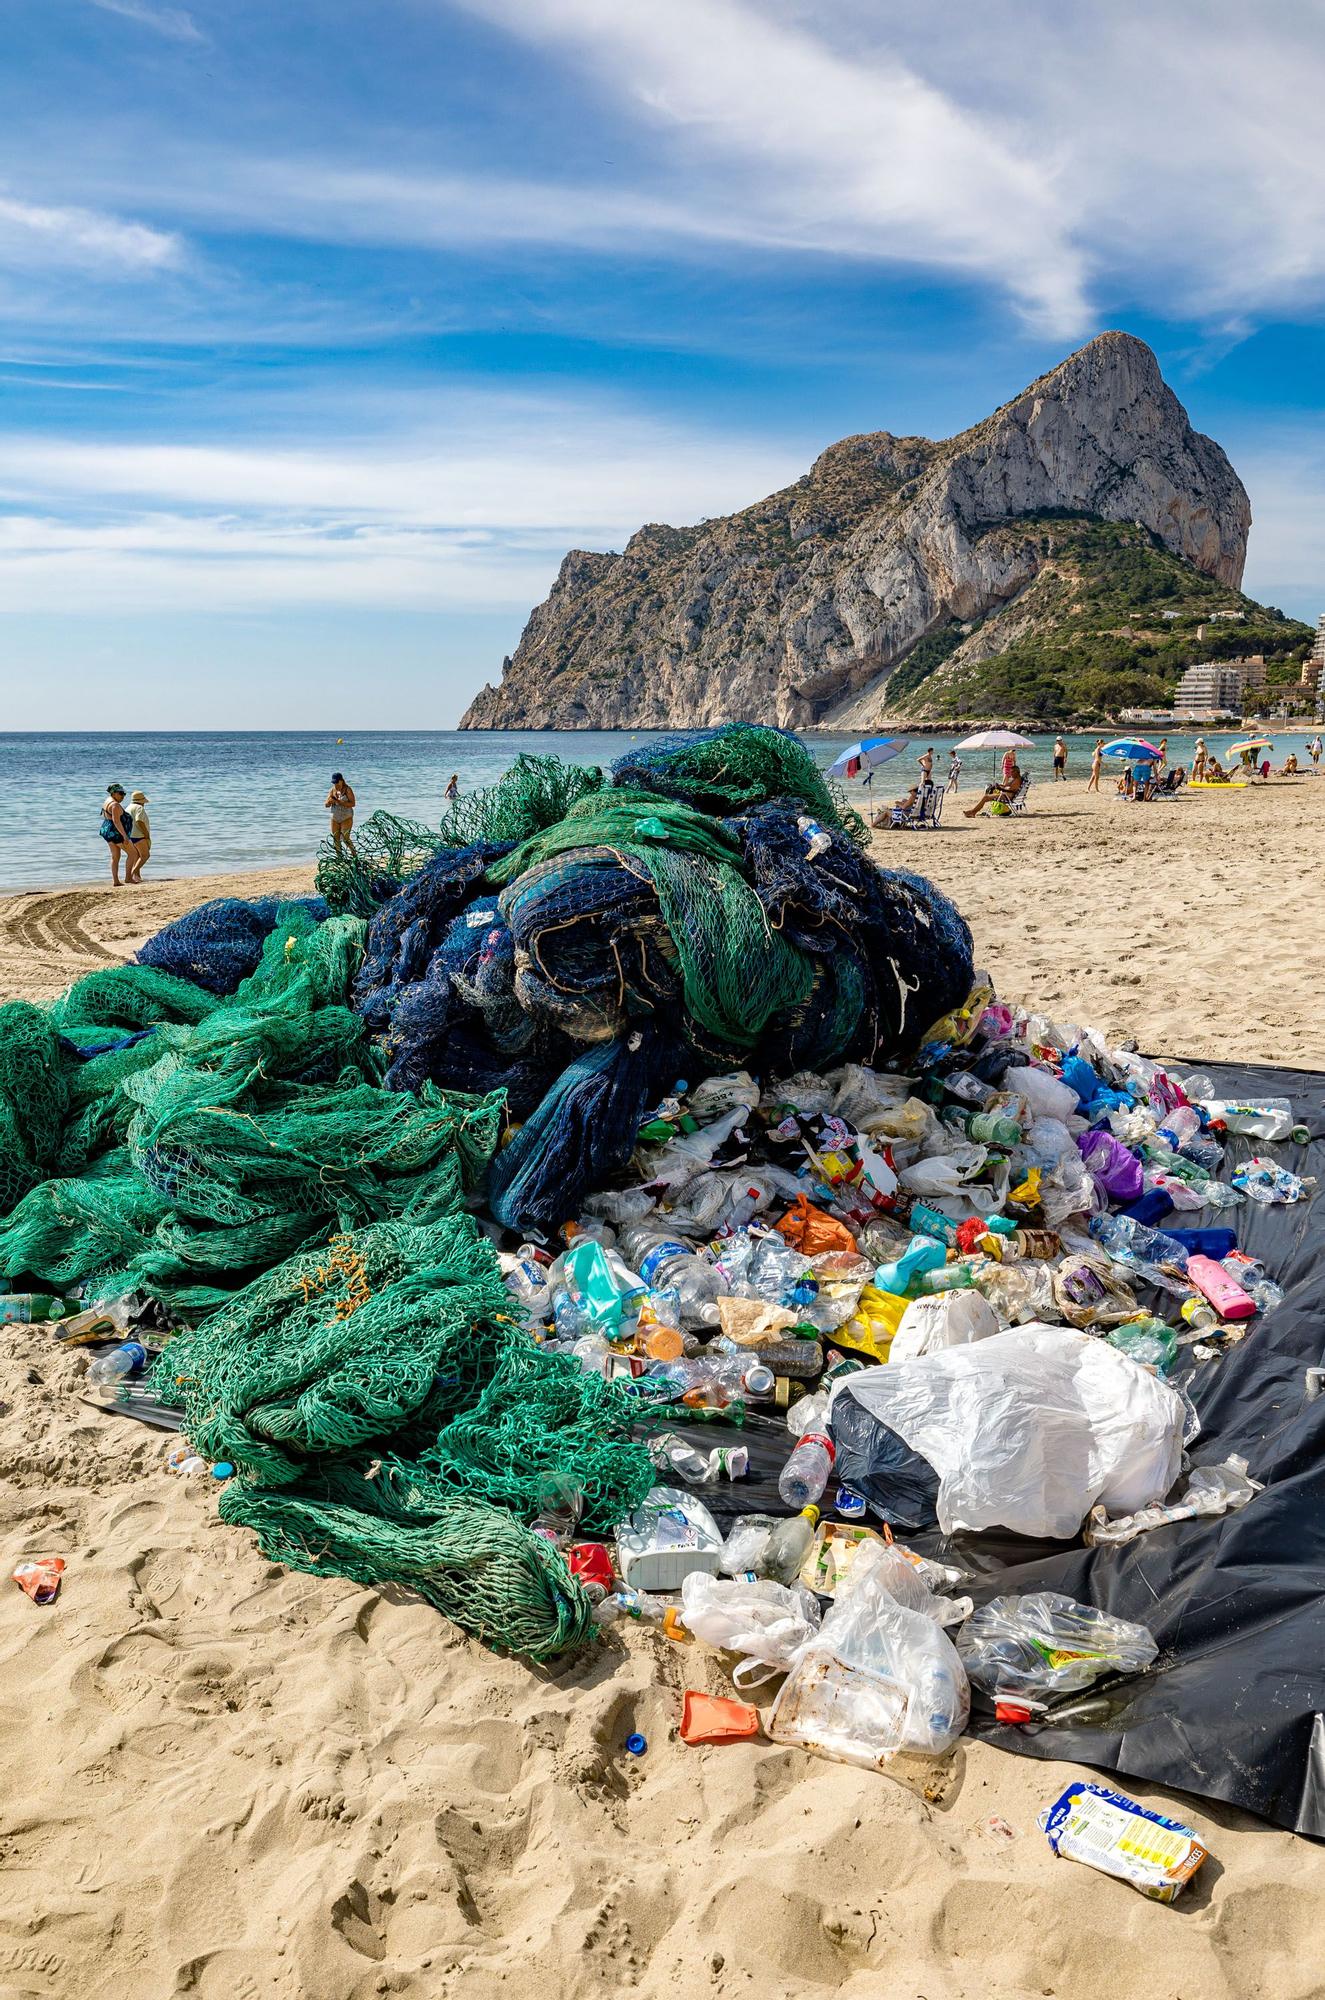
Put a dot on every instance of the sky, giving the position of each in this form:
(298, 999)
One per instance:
(326, 328)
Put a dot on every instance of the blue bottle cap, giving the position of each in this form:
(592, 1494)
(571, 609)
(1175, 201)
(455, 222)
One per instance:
(223, 1469)
(636, 1745)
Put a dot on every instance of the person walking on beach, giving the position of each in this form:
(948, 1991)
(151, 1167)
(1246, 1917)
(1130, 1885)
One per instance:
(452, 792)
(140, 828)
(954, 770)
(115, 833)
(340, 804)
(1096, 760)
(1060, 759)
(1200, 758)
(1314, 750)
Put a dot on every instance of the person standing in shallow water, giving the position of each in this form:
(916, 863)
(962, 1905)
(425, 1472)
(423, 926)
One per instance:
(452, 792)
(1060, 759)
(340, 804)
(115, 833)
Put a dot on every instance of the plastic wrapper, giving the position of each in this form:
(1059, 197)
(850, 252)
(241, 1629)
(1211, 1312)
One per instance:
(882, 1676)
(1210, 1490)
(1029, 1429)
(1046, 1644)
(1111, 1832)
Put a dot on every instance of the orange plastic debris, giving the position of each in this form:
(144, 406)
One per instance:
(811, 1231)
(712, 1718)
(40, 1578)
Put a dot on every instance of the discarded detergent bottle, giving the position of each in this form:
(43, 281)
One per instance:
(109, 1369)
(805, 1474)
(788, 1546)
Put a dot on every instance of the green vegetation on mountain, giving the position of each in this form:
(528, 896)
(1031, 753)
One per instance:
(1110, 620)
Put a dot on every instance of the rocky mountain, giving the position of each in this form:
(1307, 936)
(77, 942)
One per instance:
(800, 609)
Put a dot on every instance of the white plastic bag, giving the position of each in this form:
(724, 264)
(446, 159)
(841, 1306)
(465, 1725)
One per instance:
(1029, 1429)
(881, 1677)
(1047, 1095)
(945, 1319)
(769, 1624)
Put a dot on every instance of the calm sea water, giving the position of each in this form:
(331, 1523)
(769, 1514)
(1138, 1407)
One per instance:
(248, 799)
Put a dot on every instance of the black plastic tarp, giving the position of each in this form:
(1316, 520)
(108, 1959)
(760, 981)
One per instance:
(1234, 1708)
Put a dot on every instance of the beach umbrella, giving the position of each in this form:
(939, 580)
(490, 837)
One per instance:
(1252, 743)
(996, 739)
(1134, 748)
(862, 757)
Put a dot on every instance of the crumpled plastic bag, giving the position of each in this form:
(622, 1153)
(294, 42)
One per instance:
(717, 1094)
(1047, 1095)
(1047, 1644)
(752, 1322)
(1114, 1166)
(812, 1231)
(947, 1319)
(769, 1624)
(881, 1677)
(1029, 1429)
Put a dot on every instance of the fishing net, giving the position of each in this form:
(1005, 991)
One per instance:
(716, 885)
(220, 942)
(277, 1121)
(388, 1420)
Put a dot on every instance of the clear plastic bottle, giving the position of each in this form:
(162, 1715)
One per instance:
(788, 1546)
(1124, 1233)
(666, 1264)
(805, 1474)
(109, 1369)
(560, 1504)
(817, 842)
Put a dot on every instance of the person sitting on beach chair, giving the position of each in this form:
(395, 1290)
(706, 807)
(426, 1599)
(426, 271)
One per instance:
(1172, 781)
(1003, 794)
(918, 807)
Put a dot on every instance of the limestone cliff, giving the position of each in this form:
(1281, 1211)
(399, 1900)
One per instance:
(798, 609)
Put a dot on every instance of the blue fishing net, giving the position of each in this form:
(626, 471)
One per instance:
(220, 943)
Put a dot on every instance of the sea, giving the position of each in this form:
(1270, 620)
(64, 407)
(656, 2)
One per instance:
(224, 801)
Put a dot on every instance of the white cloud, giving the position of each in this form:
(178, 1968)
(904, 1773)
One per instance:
(474, 509)
(172, 22)
(30, 233)
(855, 153)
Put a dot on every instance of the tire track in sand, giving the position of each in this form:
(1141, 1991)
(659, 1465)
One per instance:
(43, 945)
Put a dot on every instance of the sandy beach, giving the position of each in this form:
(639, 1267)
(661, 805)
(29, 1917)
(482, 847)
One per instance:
(224, 1779)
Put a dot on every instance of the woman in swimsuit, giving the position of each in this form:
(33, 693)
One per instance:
(340, 804)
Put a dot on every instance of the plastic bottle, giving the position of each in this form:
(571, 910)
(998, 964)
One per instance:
(561, 1502)
(665, 1264)
(985, 1128)
(817, 842)
(805, 1474)
(789, 1544)
(1122, 1233)
(1224, 1294)
(109, 1369)
(922, 1254)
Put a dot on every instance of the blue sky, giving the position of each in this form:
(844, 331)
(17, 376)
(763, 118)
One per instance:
(327, 326)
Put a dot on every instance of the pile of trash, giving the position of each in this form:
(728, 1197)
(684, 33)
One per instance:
(494, 1223)
(964, 1298)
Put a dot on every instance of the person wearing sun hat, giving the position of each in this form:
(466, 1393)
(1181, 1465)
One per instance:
(115, 833)
(141, 828)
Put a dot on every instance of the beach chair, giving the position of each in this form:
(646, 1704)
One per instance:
(925, 813)
(1000, 809)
